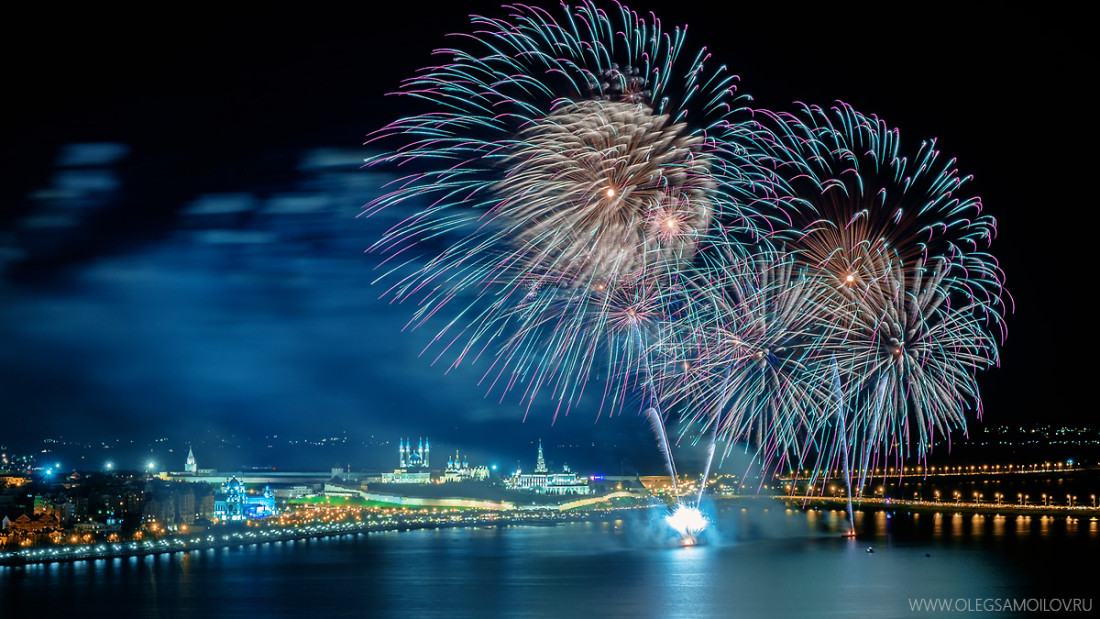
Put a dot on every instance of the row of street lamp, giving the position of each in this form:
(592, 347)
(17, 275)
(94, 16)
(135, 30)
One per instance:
(1022, 498)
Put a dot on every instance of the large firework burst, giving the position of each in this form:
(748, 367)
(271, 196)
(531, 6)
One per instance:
(559, 158)
(903, 251)
(908, 353)
(853, 192)
(600, 190)
(583, 199)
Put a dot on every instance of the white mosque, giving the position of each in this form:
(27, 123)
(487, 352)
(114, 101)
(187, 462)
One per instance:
(413, 465)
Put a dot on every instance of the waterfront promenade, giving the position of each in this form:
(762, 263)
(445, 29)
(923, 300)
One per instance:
(236, 535)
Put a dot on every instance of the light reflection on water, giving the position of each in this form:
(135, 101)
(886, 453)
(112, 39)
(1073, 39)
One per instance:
(774, 562)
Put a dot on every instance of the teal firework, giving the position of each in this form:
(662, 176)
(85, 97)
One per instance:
(745, 368)
(908, 349)
(558, 160)
(852, 191)
(917, 302)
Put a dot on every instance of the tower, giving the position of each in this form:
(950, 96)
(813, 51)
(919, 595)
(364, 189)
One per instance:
(190, 465)
(540, 465)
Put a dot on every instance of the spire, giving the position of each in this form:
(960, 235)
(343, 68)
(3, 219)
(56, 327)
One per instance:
(540, 466)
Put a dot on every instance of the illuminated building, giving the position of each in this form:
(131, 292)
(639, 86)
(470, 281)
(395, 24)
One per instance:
(234, 503)
(413, 465)
(410, 459)
(545, 482)
(460, 470)
(190, 470)
(191, 465)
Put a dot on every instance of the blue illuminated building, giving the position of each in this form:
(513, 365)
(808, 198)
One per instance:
(234, 503)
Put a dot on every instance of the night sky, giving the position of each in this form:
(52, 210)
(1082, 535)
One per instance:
(180, 254)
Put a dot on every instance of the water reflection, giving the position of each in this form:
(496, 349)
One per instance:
(977, 525)
(602, 568)
(956, 524)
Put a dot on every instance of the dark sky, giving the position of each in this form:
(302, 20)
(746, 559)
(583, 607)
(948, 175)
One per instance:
(180, 254)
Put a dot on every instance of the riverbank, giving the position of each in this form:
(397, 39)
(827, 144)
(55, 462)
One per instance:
(237, 535)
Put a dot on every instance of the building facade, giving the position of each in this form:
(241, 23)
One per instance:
(460, 470)
(544, 481)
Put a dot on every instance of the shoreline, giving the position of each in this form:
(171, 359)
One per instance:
(237, 535)
(247, 536)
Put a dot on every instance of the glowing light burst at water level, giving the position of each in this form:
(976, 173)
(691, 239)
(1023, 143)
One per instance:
(687, 521)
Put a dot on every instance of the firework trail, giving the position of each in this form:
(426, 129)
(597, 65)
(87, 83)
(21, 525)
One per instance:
(842, 441)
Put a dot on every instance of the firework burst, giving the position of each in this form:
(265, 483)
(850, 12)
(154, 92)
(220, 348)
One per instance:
(753, 356)
(561, 161)
(902, 251)
(582, 200)
(909, 354)
(601, 190)
(853, 193)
